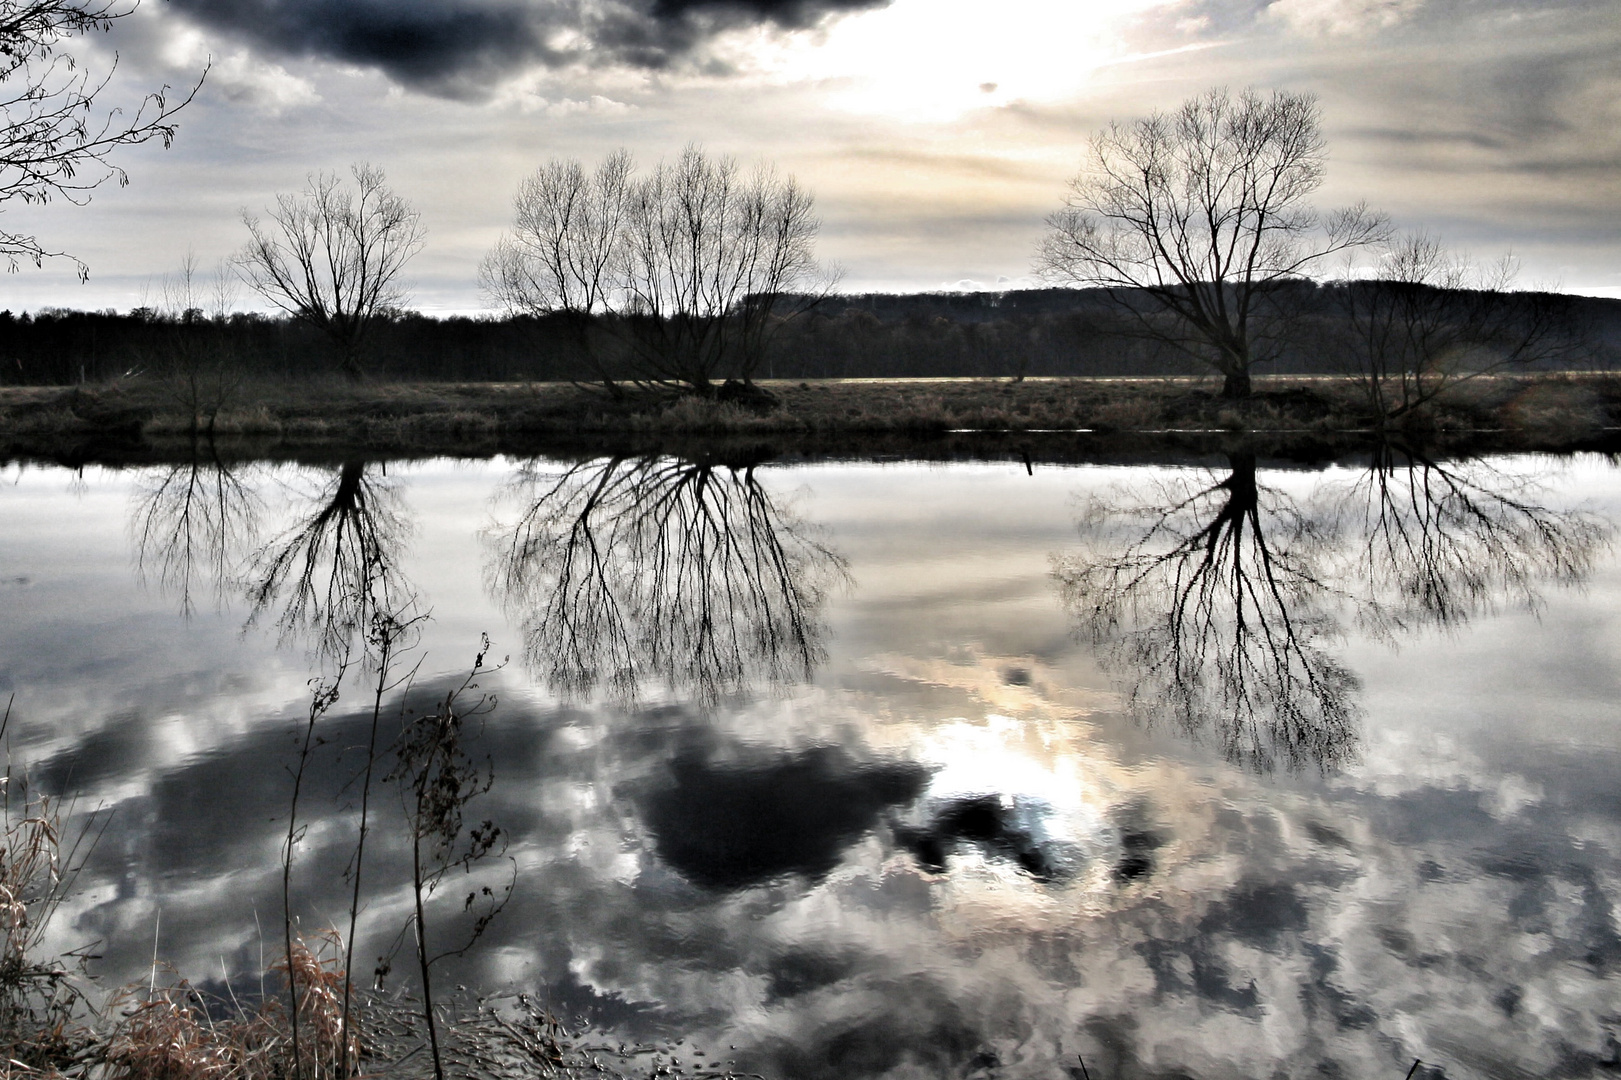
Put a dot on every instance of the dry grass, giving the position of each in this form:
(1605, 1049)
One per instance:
(1127, 414)
(1555, 412)
(44, 1005)
(514, 1037)
(253, 420)
(52, 1023)
(1520, 412)
(167, 1032)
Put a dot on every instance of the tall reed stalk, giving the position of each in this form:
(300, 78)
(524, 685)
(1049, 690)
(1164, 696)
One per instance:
(324, 694)
(386, 634)
(438, 778)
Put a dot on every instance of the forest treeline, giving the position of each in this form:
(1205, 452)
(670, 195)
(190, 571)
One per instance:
(1034, 332)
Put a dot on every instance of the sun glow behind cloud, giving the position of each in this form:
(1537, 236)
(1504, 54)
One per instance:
(934, 60)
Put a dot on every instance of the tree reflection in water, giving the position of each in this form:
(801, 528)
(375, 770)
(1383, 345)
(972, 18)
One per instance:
(192, 524)
(1434, 543)
(334, 571)
(1216, 607)
(1217, 597)
(623, 569)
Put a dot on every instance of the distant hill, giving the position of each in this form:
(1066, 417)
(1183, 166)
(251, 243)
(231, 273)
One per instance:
(1086, 332)
(1603, 315)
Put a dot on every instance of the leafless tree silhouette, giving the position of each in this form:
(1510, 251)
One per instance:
(1198, 221)
(623, 570)
(53, 143)
(563, 257)
(196, 364)
(193, 524)
(1216, 610)
(438, 778)
(1426, 319)
(332, 256)
(692, 266)
(336, 569)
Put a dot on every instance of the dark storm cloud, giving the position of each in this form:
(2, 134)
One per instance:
(786, 13)
(415, 43)
(459, 47)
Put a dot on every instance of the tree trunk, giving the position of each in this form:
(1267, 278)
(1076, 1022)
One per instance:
(1236, 385)
(351, 366)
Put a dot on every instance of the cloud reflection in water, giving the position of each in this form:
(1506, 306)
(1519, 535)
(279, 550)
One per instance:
(753, 870)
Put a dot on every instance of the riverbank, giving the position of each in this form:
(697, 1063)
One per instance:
(141, 418)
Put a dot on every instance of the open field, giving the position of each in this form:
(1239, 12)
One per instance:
(137, 417)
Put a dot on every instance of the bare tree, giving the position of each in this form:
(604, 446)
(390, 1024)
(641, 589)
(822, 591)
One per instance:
(1426, 319)
(691, 268)
(562, 257)
(438, 778)
(192, 358)
(182, 299)
(625, 570)
(1198, 223)
(561, 253)
(53, 142)
(332, 256)
(709, 256)
(223, 288)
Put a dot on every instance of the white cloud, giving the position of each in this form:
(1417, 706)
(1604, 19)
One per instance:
(1342, 16)
(244, 79)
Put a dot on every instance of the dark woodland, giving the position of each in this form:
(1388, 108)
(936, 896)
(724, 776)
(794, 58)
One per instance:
(1037, 332)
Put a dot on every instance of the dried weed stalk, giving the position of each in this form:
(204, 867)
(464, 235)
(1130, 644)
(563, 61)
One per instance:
(44, 1006)
(437, 779)
(167, 1032)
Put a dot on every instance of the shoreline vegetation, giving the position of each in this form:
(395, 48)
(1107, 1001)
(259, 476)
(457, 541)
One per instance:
(1054, 418)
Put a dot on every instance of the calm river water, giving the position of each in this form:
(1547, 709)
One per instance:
(1216, 769)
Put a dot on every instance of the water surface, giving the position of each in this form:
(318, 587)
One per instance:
(1222, 768)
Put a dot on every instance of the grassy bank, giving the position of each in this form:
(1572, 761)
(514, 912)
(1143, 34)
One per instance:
(1541, 412)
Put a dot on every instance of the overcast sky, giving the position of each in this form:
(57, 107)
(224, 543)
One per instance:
(936, 134)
